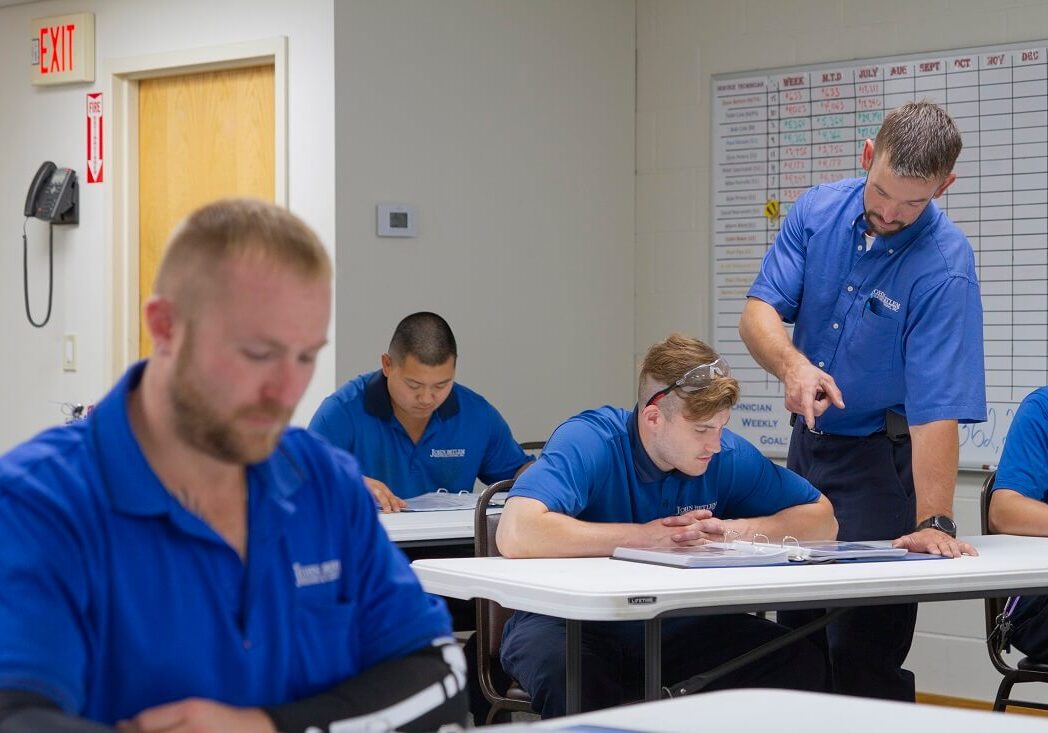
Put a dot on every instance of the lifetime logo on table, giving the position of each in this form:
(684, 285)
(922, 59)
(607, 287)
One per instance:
(642, 600)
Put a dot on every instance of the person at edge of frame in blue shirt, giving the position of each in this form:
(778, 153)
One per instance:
(882, 291)
(412, 427)
(1019, 505)
(667, 473)
(180, 559)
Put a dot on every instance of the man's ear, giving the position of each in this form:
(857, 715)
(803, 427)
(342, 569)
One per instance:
(651, 416)
(947, 182)
(159, 317)
(387, 365)
(866, 156)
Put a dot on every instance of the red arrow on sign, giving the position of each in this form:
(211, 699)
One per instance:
(94, 137)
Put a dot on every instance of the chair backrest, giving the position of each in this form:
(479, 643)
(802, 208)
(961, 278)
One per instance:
(994, 606)
(491, 617)
(484, 528)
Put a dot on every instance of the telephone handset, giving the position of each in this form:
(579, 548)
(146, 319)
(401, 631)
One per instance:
(53, 195)
(55, 198)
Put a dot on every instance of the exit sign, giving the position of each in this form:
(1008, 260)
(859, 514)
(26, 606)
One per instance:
(62, 49)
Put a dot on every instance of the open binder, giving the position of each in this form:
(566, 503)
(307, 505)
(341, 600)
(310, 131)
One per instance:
(443, 500)
(759, 551)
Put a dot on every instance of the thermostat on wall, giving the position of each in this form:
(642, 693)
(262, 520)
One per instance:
(397, 220)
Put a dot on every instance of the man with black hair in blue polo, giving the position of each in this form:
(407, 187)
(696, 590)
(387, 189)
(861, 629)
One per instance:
(412, 427)
(666, 474)
(181, 560)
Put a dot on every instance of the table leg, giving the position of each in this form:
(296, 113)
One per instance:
(652, 659)
(700, 681)
(573, 665)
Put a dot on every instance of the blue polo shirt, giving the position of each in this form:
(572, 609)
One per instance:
(115, 598)
(466, 439)
(898, 327)
(595, 468)
(1024, 462)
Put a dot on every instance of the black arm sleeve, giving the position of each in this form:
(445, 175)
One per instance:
(417, 693)
(27, 712)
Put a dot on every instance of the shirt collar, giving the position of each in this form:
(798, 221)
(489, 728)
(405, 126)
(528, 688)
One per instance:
(378, 403)
(898, 240)
(129, 480)
(647, 471)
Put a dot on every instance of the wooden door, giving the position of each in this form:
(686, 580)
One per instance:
(200, 137)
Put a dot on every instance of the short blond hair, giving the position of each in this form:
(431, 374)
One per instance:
(216, 233)
(667, 361)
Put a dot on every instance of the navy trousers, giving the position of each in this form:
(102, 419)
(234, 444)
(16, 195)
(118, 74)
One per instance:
(613, 658)
(869, 481)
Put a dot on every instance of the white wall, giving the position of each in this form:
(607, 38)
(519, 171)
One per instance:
(680, 43)
(48, 123)
(510, 126)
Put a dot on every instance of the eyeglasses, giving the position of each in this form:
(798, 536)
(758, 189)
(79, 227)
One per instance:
(695, 379)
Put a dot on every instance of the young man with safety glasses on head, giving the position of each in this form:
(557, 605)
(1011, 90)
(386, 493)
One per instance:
(668, 473)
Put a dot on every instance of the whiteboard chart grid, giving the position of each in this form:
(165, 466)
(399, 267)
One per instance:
(777, 133)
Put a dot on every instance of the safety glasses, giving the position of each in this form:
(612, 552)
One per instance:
(695, 379)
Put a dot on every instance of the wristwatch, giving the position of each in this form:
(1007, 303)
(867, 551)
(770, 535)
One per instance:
(940, 522)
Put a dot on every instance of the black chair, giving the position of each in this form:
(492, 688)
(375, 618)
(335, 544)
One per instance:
(1027, 670)
(504, 694)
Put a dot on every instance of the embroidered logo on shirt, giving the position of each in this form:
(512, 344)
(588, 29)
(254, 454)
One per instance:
(447, 452)
(692, 507)
(317, 573)
(888, 302)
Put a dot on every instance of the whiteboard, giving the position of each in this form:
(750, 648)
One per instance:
(775, 133)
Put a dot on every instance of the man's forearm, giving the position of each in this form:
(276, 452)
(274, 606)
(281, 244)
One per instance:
(762, 331)
(1014, 513)
(551, 534)
(935, 455)
(813, 521)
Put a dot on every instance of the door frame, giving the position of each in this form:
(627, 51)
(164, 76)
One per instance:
(123, 238)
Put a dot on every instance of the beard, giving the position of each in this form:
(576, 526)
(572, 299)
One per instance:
(200, 425)
(881, 229)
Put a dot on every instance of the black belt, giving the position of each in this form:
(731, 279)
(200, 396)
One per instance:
(895, 427)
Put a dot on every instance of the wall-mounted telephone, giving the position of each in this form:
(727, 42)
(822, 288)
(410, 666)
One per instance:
(54, 195)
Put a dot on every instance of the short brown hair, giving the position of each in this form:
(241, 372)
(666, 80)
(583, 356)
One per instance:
(236, 227)
(920, 140)
(667, 361)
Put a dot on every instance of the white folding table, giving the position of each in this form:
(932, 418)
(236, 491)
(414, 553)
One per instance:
(426, 529)
(603, 589)
(770, 711)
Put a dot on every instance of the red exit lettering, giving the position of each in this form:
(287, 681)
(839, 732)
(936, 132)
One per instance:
(929, 66)
(1031, 55)
(962, 63)
(793, 81)
(870, 73)
(899, 70)
(56, 42)
(832, 76)
(995, 60)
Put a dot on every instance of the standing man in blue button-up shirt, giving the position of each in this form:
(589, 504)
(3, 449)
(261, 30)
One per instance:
(413, 429)
(886, 359)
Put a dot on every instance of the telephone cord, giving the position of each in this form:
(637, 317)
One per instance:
(50, 272)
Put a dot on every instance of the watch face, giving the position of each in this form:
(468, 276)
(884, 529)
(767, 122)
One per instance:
(946, 524)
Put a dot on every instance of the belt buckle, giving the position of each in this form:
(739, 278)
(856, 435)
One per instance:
(813, 431)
